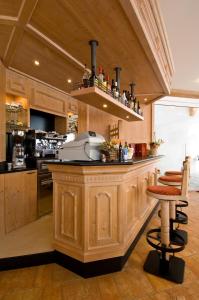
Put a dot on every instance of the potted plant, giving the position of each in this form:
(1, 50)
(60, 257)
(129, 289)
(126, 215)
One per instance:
(110, 149)
(154, 145)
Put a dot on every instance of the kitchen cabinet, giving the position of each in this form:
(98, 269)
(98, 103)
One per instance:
(20, 198)
(2, 222)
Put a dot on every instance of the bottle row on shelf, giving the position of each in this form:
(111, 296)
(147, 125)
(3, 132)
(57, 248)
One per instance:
(102, 81)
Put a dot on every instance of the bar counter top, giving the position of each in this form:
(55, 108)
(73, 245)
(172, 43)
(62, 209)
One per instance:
(136, 160)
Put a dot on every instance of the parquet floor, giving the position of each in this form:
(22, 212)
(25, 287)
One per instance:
(52, 282)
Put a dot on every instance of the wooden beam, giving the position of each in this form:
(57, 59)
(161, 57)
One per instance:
(8, 20)
(184, 94)
(24, 16)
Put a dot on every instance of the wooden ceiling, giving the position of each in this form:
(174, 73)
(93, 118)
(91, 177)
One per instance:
(57, 33)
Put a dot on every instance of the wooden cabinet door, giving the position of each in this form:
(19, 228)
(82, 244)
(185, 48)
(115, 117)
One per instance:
(132, 207)
(30, 196)
(2, 208)
(20, 199)
(13, 201)
(143, 181)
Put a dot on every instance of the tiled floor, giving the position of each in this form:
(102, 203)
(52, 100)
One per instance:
(52, 282)
(32, 238)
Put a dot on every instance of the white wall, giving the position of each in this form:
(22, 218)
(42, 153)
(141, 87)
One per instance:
(180, 131)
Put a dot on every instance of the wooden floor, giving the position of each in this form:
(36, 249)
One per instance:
(56, 283)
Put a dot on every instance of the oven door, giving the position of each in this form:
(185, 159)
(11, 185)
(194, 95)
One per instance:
(45, 193)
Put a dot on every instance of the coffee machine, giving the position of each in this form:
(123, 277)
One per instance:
(15, 149)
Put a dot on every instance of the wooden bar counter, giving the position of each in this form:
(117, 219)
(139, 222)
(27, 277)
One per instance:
(100, 208)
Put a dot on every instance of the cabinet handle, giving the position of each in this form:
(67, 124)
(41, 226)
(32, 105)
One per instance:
(30, 173)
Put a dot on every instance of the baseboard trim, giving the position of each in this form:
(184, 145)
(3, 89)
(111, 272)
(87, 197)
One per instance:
(85, 270)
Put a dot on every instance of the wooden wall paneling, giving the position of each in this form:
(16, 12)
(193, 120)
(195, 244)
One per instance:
(2, 206)
(46, 99)
(83, 117)
(16, 84)
(60, 124)
(2, 112)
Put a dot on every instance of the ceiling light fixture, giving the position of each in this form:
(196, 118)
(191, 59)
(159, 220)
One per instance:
(36, 62)
(145, 99)
(69, 80)
(105, 105)
(127, 117)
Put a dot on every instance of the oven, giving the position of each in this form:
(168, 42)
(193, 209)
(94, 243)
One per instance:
(44, 189)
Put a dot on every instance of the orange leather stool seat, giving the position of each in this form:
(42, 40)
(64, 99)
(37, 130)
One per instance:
(170, 173)
(172, 178)
(164, 190)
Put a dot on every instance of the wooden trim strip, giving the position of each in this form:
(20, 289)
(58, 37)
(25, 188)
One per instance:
(184, 93)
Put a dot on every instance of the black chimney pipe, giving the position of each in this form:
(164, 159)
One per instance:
(93, 44)
(117, 71)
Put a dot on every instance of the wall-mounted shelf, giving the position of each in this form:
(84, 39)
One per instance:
(99, 99)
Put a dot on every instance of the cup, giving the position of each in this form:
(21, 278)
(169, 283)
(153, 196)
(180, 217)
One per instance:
(9, 165)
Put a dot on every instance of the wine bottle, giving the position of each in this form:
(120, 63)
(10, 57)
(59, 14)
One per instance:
(120, 152)
(85, 78)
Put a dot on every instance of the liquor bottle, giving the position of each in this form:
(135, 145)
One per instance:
(108, 87)
(128, 97)
(93, 78)
(113, 88)
(116, 91)
(138, 108)
(123, 98)
(100, 75)
(134, 104)
(120, 154)
(125, 151)
(85, 78)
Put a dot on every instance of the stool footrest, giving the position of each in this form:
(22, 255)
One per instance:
(155, 235)
(183, 203)
(174, 237)
(172, 270)
(181, 217)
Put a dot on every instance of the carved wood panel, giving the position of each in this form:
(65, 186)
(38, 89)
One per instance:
(132, 209)
(47, 99)
(16, 84)
(103, 215)
(68, 214)
(143, 181)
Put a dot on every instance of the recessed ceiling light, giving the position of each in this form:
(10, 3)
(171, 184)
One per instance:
(36, 62)
(127, 117)
(105, 105)
(69, 80)
(145, 99)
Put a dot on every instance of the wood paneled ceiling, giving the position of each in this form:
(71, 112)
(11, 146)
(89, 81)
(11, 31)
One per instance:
(57, 33)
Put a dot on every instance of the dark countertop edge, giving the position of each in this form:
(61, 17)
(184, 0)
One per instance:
(17, 170)
(99, 163)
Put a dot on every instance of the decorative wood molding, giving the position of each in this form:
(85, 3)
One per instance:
(8, 20)
(148, 24)
(44, 39)
(184, 94)
(24, 15)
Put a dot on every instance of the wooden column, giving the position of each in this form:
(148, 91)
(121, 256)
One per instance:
(2, 113)
(83, 117)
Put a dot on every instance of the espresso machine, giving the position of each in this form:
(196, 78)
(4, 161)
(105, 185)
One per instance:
(15, 149)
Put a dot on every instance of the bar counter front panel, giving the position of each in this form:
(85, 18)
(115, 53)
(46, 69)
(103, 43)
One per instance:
(100, 208)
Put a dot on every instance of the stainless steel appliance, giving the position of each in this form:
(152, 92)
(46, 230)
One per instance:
(18, 158)
(44, 188)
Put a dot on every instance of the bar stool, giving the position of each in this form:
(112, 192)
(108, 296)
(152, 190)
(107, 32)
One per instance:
(159, 262)
(176, 216)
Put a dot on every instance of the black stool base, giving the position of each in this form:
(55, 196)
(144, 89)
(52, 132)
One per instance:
(172, 270)
(179, 237)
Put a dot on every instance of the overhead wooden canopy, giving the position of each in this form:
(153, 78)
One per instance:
(56, 33)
